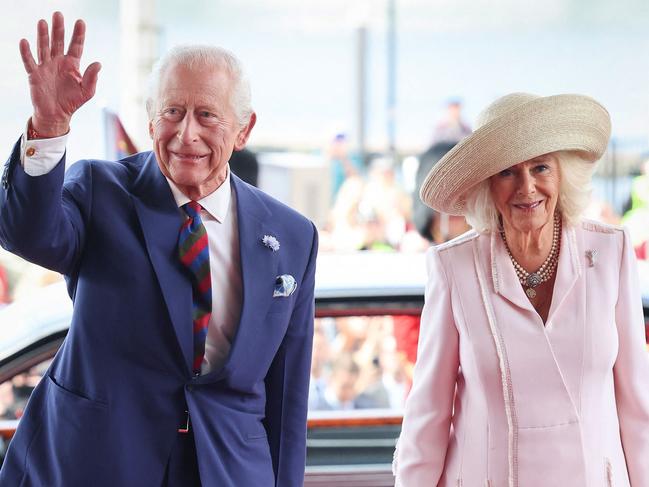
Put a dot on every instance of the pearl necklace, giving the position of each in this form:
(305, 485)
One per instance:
(529, 280)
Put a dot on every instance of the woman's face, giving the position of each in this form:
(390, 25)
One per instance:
(526, 193)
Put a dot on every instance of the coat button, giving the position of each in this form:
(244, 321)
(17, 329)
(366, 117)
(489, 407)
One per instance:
(30, 151)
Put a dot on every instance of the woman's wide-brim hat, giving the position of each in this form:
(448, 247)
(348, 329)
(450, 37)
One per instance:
(516, 128)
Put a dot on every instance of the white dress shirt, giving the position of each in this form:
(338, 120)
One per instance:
(219, 216)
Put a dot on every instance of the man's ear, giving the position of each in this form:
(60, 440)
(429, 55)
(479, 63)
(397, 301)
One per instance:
(151, 129)
(244, 133)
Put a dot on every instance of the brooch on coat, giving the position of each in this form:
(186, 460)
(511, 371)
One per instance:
(271, 242)
(591, 255)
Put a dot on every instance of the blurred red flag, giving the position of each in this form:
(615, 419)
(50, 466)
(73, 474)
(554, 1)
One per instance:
(118, 143)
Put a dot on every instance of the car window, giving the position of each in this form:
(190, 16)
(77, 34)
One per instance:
(359, 362)
(15, 392)
(362, 362)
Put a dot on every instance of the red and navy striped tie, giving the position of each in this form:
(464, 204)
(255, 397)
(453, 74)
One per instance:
(194, 253)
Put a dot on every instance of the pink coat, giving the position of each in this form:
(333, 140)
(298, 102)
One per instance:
(500, 400)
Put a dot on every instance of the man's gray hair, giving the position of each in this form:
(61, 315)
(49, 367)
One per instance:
(203, 55)
(574, 194)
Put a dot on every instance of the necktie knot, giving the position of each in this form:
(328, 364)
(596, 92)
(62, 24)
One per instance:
(192, 209)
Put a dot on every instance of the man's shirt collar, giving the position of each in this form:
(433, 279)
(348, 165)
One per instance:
(215, 203)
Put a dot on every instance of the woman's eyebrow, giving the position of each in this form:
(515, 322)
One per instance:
(541, 158)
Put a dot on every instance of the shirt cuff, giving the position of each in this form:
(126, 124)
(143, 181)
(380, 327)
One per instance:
(40, 156)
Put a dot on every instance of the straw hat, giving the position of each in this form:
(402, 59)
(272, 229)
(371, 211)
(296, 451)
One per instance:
(513, 129)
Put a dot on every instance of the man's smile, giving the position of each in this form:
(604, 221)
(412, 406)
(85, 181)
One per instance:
(188, 157)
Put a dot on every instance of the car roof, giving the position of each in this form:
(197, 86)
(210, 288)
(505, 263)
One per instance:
(340, 278)
(47, 311)
(364, 274)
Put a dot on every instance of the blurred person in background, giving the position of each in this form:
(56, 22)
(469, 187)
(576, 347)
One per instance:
(342, 163)
(531, 369)
(395, 377)
(385, 204)
(372, 391)
(451, 128)
(351, 334)
(15, 393)
(434, 226)
(369, 213)
(244, 164)
(341, 390)
(636, 218)
(320, 361)
(8, 404)
(383, 380)
(153, 385)
(345, 229)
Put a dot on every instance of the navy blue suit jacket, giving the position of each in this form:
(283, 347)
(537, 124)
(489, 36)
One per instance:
(107, 411)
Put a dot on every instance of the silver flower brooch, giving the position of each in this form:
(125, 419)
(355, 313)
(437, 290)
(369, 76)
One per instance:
(591, 255)
(271, 242)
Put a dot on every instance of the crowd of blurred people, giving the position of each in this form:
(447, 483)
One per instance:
(371, 210)
(358, 363)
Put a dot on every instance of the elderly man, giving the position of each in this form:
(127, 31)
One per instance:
(187, 360)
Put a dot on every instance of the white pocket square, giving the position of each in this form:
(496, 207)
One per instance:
(285, 285)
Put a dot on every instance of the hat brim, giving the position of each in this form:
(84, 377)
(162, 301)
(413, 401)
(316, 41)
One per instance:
(540, 126)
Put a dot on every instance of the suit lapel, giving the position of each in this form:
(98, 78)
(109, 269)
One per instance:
(160, 221)
(504, 276)
(506, 281)
(258, 271)
(568, 270)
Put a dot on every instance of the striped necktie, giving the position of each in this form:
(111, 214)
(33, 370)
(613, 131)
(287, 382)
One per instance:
(193, 251)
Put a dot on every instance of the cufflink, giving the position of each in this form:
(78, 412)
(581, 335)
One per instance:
(285, 285)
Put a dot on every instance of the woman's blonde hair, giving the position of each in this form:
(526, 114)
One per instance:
(574, 194)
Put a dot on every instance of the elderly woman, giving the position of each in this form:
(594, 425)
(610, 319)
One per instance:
(532, 369)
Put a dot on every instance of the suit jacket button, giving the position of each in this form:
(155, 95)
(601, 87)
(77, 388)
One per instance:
(30, 151)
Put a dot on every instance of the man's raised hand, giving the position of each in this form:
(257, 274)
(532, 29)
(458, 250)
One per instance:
(56, 85)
